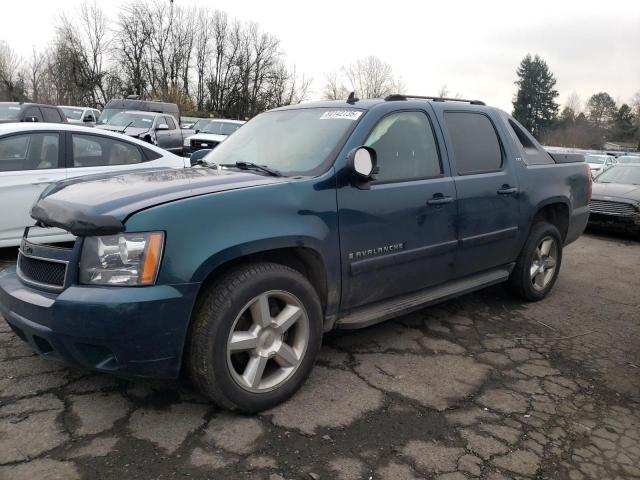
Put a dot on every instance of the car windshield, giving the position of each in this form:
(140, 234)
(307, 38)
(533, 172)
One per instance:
(216, 127)
(294, 142)
(629, 159)
(134, 120)
(627, 174)
(599, 159)
(9, 111)
(72, 113)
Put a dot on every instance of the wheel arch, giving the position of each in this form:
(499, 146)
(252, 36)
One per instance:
(556, 211)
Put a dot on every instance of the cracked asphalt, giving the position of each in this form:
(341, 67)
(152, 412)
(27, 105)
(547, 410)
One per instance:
(484, 386)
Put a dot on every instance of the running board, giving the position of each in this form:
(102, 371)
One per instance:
(381, 311)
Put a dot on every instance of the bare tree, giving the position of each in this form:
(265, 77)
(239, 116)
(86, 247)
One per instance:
(131, 41)
(368, 77)
(443, 91)
(12, 84)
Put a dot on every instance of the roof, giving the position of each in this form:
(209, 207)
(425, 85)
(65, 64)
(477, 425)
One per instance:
(224, 120)
(408, 100)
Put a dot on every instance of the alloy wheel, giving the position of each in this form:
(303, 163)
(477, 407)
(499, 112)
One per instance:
(543, 266)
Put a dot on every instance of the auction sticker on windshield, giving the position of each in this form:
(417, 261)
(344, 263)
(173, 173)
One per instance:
(341, 114)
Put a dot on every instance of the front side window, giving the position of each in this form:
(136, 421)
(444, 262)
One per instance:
(292, 141)
(72, 113)
(97, 151)
(33, 112)
(170, 123)
(35, 151)
(51, 115)
(405, 147)
(476, 148)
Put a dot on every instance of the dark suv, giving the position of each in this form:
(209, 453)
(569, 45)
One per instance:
(30, 112)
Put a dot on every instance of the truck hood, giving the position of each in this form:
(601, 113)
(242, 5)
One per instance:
(211, 137)
(99, 204)
(619, 190)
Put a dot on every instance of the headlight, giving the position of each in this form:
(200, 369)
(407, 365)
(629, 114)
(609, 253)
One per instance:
(123, 259)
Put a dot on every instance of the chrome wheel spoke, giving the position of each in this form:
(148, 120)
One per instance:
(254, 370)
(534, 270)
(545, 247)
(549, 263)
(286, 356)
(287, 317)
(260, 313)
(243, 341)
(539, 280)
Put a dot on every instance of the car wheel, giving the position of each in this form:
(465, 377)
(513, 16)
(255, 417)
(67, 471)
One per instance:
(254, 337)
(538, 266)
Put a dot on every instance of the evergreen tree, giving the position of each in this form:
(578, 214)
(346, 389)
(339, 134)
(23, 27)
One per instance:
(602, 109)
(623, 127)
(535, 106)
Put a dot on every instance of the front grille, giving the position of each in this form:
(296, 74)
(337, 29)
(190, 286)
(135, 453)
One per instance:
(200, 144)
(41, 272)
(612, 208)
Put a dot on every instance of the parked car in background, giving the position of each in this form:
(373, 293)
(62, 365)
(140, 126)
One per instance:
(209, 133)
(318, 216)
(599, 163)
(132, 102)
(81, 115)
(30, 112)
(155, 128)
(628, 159)
(32, 156)
(615, 202)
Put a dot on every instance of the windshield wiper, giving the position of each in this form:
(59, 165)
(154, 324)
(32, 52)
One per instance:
(253, 166)
(125, 128)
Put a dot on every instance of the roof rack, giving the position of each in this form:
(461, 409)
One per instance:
(398, 96)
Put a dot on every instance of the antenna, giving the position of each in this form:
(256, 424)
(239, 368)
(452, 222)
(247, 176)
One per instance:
(352, 98)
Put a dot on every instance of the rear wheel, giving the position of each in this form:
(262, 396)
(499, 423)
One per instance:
(254, 337)
(538, 266)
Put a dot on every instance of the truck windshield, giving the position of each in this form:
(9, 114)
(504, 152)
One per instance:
(72, 113)
(294, 142)
(9, 111)
(135, 120)
(107, 113)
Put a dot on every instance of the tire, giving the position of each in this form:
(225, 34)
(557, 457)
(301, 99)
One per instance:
(242, 379)
(525, 281)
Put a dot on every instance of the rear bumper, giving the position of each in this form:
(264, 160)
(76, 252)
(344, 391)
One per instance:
(138, 332)
(577, 224)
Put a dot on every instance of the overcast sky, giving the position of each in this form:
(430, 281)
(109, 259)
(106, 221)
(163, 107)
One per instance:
(472, 46)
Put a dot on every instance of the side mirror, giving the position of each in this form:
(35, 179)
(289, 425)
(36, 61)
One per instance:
(362, 163)
(197, 130)
(197, 156)
(162, 126)
(30, 119)
(88, 119)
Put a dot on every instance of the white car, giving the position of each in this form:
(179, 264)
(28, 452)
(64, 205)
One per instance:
(34, 155)
(81, 115)
(599, 163)
(209, 133)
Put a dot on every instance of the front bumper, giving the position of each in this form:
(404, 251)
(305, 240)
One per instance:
(129, 331)
(615, 222)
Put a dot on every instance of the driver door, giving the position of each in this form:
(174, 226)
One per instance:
(399, 235)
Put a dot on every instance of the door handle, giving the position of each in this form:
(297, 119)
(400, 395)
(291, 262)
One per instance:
(439, 199)
(507, 190)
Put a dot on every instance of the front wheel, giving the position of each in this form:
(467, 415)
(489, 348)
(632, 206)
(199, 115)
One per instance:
(538, 266)
(254, 337)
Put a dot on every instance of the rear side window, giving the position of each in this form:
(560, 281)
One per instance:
(532, 153)
(34, 151)
(33, 112)
(51, 115)
(476, 148)
(170, 123)
(405, 147)
(97, 151)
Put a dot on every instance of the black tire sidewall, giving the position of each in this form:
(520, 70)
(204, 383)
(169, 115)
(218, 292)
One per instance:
(522, 280)
(221, 322)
